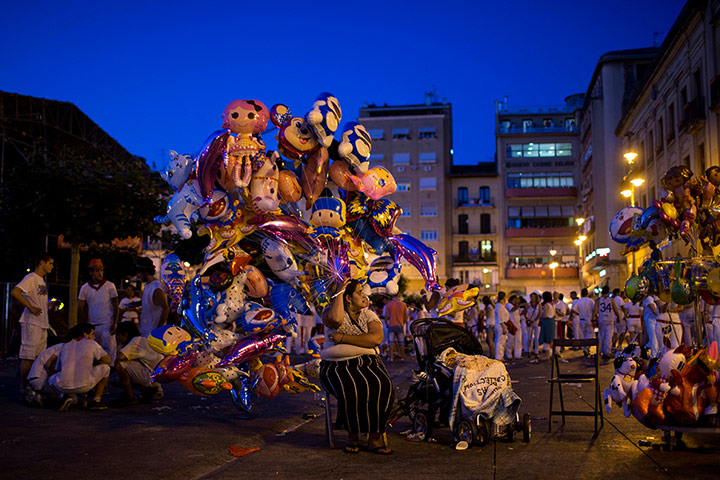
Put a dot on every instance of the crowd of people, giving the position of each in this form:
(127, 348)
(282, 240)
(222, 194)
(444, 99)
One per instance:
(106, 339)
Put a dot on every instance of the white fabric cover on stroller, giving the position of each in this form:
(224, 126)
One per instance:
(480, 386)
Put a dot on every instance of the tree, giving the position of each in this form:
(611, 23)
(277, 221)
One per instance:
(80, 193)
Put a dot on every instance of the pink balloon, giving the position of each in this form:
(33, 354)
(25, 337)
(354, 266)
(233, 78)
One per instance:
(291, 229)
(249, 348)
(419, 256)
(173, 367)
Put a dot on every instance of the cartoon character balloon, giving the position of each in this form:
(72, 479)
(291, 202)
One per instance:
(621, 226)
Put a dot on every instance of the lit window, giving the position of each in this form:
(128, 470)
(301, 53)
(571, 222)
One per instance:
(427, 133)
(376, 134)
(401, 159)
(428, 157)
(428, 183)
(530, 150)
(563, 150)
(515, 151)
(547, 149)
(403, 185)
(428, 210)
(428, 235)
(401, 133)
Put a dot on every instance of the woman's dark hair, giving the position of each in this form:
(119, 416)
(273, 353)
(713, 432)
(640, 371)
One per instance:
(486, 300)
(351, 287)
(547, 297)
(128, 328)
(79, 330)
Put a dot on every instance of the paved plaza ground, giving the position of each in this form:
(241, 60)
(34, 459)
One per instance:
(189, 437)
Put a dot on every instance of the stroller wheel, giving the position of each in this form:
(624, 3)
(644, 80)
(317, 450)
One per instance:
(526, 428)
(422, 423)
(465, 431)
(483, 431)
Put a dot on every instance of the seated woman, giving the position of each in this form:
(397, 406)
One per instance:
(352, 371)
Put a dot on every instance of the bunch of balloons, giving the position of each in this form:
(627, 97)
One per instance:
(271, 257)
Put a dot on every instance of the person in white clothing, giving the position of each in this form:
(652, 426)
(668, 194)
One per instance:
(668, 329)
(514, 340)
(573, 318)
(604, 314)
(532, 317)
(620, 321)
(502, 316)
(82, 366)
(561, 314)
(633, 312)
(650, 313)
(130, 305)
(39, 390)
(32, 294)
(712, 325)
(135, 365)
(584, 308)
(687, 318)
(155, 308)
(98, 305)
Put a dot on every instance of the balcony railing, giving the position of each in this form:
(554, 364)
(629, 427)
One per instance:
(541, 272)
(476, 231)
(472, 259)
(539, 129)
(693, 117)
(475, 202)
(540, 232)
(541, 192)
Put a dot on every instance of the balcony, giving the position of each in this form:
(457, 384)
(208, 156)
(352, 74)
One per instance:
(475, 202)
(541, 192)
(476, 231)
(542, 272)
(477, 259)
(693, 116)
(512, 130)
(546, 232)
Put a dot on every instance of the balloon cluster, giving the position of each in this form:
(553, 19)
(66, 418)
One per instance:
(268, 260)
(681, 389)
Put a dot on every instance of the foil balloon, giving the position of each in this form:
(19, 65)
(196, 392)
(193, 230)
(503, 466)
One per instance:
(255, 283)
(377, 243)
(322, 289)
(269, 385)
(324, 118)
(341, 176)
(355, 146)
(295, 139)
(314, 176)
(291, 229)
(287, 301)
(194, 309)
(264, 186)
(637, 287)
(383, 276)
(241, 393)
(186, 201)
(173, 367)
(209, 161)
(419, 256)
(257, 319)
(172, 273)
(204, 382)
(457, 299)
(289, 186)
(281, 260)
(713, 281)
(338, 262)
(621, 226)
(216, 207)
(681, 290)
(381, 214)
(170, 340)
(375, 183)
(250, 347)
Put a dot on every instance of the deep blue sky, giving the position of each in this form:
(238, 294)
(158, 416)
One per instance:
(158, 77)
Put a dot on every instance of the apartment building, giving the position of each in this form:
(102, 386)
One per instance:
(476, 225)
(603, 166)
(414, 142)
(538, 154)
(672, 119)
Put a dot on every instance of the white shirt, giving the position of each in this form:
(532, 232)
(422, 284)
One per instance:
(561, 310)
(514, 316)
(76, 361)
(620, 304)
(151, 314)
(584, 308)
(605, 310)
(138, 349)
(35, 291)
(99, 302)
(501, 315)
(648, 314)
(633, 309)
(129, 315)
(38, 370)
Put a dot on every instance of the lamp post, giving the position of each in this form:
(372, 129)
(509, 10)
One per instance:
(630, 156)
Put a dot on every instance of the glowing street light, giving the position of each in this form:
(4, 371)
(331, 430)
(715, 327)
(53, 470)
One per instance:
(578, 242)
(553, 252)
(637, 182)
(582, 238)
(553, 266)
(630, 157)
(627, 193)
(579, 221)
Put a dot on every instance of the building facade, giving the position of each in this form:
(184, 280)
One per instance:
(616, 76)
(672, 119)
(538, 156)
(476, 227)
(414, 142)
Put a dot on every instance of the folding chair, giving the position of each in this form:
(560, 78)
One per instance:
(558, 378)
(329, 424)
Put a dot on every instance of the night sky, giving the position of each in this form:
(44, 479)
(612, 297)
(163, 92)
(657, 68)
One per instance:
(158, 77)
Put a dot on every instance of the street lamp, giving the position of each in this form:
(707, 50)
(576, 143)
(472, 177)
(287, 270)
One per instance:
(553, 252)
(553, 266)
(579, 221)
(630, 157)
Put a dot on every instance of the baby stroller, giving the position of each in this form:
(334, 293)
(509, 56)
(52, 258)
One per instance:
(430, 398)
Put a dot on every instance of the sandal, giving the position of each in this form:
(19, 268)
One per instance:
(352, 449)
(380, 450)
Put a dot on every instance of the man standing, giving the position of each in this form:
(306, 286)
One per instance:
(98, 306)
(605, 314)
(396, 316)
(573, 319)
(502, 316)
(561, 314)
(155, 308)
(515, 340)
(620, 320)
(583, 308)
(32, 294)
